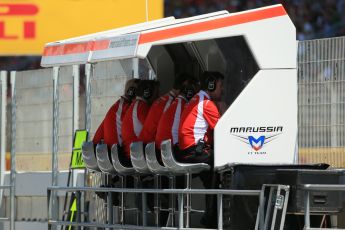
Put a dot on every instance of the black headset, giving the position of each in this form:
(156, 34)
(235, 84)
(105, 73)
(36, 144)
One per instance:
(131, 92)
(211, 83)
(188, 91)
(147, 92)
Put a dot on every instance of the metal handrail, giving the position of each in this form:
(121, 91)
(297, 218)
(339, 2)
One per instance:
(161, 191)
(316, 187)
(179, 192)
(5, 186)
(324, 187)
(119, 226)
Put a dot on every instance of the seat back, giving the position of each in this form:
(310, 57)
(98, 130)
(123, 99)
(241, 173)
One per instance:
(103, 161)
(138, 158)
(121, 169)
(167, 155)
(170, 162)
(89, 157)
(152, 162)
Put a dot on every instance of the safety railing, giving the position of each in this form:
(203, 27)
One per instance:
(317, 187)
(179, 192)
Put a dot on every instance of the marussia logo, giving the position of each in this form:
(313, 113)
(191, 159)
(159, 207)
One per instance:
(256, 143)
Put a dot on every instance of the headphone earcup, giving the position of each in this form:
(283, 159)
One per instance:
(211, 84)
(188, 91)
(131, 92)
(147, 93)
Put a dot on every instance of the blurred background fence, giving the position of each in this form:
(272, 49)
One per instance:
(321, 101)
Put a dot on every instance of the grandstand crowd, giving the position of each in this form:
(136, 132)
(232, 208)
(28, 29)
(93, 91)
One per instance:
(312, 18)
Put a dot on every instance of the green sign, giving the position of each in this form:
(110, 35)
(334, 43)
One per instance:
(80, 137)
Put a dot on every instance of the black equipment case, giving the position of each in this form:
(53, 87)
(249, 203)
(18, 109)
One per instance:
(240, 212)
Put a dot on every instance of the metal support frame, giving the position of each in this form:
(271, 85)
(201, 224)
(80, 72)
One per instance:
(87, 112)
(55, 125)
(220, 211)
(55, 136)
(123, 185)
(135, 69)
(110, 208)
(180, 193)
(188, 199)
(88, 74)
(157, 185)
(172, 200)
(13, 150)
(316, 187)
(78, 196)
(75, 107)
(180, 210)
(137, 184)
(76, 84)
(144, 210)
(277, 202)
(3, 76)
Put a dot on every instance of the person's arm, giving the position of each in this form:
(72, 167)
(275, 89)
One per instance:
(211, 114)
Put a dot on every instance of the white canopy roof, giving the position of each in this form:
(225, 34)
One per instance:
(268, 31)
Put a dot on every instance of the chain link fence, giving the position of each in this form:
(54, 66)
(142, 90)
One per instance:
(321, 101)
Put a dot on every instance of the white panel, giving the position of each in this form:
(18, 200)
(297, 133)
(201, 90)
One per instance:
(120, 47)
(69, 59)
(269, 100)
(278, 50)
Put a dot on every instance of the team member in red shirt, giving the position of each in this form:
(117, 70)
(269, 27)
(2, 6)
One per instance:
(111, 127)
(158, 108)
(199, 119)
(135, 116)
(169, 123)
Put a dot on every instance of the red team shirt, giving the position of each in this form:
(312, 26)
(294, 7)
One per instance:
(110, 128)
(169, 123)
(133, 123)
(198, 120)
(158, 107)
